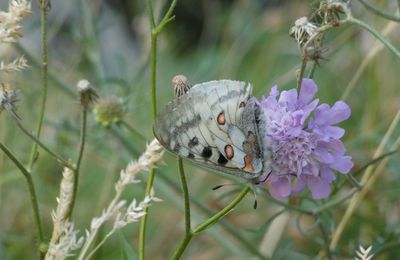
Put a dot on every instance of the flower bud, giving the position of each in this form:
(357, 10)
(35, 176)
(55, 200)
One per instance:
(88, 94)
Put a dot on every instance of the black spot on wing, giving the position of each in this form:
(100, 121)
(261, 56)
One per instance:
(207, 152)
(193, 142)
(221, 159)
(191, 156)
(176, 148)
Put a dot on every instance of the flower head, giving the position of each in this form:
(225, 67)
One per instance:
(306, 146)
(109, 110)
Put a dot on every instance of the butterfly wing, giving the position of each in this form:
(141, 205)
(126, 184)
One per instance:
(215, 124)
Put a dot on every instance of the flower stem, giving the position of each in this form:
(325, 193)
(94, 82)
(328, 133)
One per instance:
(188, 230)
(44, 5)
(79, 160)
(153, 91)
(154, 31)
(39, 143)
(375, 33)
(143, 221)
(301, 73)
(325, 237)
(132, 129)
(206, 224)
(381, 13)
(32, 193)
(222, 213)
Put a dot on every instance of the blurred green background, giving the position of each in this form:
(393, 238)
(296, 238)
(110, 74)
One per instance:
(108, 43)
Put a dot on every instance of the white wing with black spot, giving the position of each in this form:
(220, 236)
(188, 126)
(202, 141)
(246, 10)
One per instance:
(216, 124)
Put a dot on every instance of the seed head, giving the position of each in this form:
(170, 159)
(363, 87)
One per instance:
(302, 31)
(109, 111)
(181, 85)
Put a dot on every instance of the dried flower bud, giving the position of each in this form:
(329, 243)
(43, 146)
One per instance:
(181, 85)
(88, 94)
(315, 54)
(302, 31)
(109, 111)
(8, 98)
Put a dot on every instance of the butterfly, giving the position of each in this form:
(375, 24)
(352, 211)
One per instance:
(219, 125)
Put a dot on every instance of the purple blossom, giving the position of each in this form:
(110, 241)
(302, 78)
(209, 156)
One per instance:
(306, 148)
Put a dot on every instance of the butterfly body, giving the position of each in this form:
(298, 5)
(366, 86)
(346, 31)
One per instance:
(219, 125)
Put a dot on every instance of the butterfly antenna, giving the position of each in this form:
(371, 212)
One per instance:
(222, 185)
(255, 198)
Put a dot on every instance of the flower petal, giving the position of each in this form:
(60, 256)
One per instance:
(327, 174)
(339, 112)
(342, 164)
(307, 91)
(319, 189)
(281, 188)
(289, 98)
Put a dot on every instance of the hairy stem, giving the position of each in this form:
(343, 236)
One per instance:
(375, 33)
(79, 160)
(44, 4)
(154, 31)
(143, 221)
(188, 230)
(32, 194)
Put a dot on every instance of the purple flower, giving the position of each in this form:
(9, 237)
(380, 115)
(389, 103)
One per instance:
(306, 148)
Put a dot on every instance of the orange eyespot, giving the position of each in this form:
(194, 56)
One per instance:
(229, 153)
(221, 118)
(248, 164)
(242, 104)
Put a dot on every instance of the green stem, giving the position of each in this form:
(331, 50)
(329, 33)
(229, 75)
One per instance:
(325, 237)
(132, 129)
(312, 70)
(154, 31)
(334, 202)
(39, 143)
(381, 13)
(222, 213)
(182, 246)
(79, 160)
(302, 69)
(143, 222)
(167, 18)
(43, 13)
(32, 193)
(186, 197)
(375, 33)
(353, 181)
(206, 224)
(188, 230)
(153, 91)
